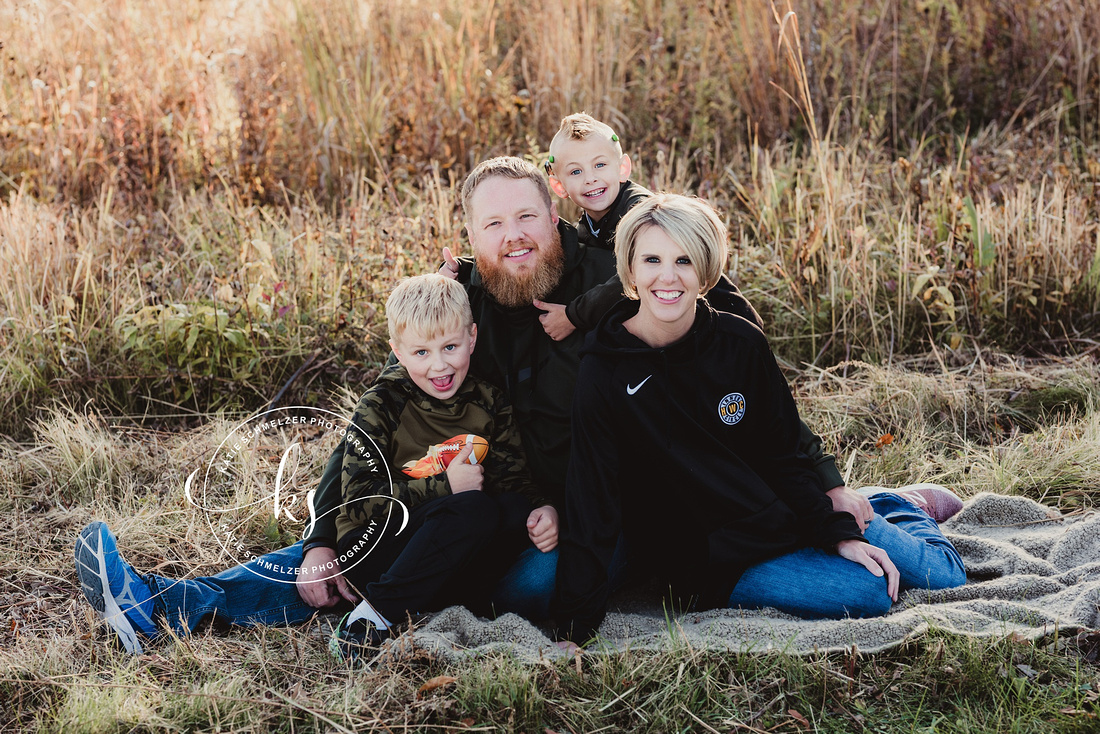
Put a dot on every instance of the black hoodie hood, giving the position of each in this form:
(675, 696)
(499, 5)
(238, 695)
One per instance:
(630, 194)
(611, 338)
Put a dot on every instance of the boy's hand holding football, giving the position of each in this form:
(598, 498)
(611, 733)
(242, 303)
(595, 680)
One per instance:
(463, 476)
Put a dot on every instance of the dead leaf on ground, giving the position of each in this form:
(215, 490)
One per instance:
(437, 682)
(1078, 712)
(802, 722)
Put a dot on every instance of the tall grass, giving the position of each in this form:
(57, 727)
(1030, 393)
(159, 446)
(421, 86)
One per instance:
(216, 300)
(148, 96)
(205, 201)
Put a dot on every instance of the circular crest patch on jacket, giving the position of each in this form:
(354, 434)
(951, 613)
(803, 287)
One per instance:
(732, 408)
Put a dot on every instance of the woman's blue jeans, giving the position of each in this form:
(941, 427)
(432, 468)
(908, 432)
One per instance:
(815, 584)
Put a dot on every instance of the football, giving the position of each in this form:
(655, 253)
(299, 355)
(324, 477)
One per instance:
(441, 455)
(452, 446)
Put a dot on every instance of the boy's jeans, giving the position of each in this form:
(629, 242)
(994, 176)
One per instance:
(245, 596)
(815, 584)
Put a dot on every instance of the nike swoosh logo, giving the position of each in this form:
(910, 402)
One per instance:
(631, 390)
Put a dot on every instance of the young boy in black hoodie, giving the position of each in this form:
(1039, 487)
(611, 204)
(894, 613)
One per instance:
(587, 166)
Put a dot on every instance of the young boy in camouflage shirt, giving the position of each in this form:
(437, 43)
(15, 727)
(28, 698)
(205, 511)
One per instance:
(439, 524)
(468, 517)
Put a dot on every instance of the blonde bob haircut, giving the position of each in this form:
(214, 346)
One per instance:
(689, 222)
(429, 304)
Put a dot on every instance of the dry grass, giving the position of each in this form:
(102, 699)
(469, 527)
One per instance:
(991, 423)
(204, 198)
(146, 97)
(214, 303)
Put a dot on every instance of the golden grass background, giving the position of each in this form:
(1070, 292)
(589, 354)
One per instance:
(201, 197)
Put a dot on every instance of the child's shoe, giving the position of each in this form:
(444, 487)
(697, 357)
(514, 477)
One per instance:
(357, 634)
(112, 587)
(940, 503)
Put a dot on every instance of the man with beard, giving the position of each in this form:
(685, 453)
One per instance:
(523, 252)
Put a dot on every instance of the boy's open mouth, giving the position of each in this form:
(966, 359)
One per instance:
(597, 192)
(443, 383)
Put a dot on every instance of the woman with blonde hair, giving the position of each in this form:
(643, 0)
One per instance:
(685, 454)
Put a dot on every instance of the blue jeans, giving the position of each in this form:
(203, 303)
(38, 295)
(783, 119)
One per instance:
(816, 584)
(528, 585)
(247, 595)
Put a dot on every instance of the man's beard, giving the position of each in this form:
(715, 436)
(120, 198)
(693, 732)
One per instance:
(513, 290)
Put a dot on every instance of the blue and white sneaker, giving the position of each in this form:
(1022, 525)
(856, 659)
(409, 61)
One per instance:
(112, 587)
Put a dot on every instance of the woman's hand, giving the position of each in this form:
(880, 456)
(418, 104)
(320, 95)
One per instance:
(875, 560)
(852, 502)
(320, 584)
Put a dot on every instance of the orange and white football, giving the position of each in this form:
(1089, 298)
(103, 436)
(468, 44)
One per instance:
(450, 448)
(440, 456)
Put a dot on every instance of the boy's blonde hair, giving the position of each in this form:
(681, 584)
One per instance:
(581, 126)
(507, 166)
(431, 304)
(689, 222)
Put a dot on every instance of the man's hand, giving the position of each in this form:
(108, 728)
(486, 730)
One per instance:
(449, 268)
(851, 501)
(874, 559)
(542, 528)
(464, 477)
(320, 583)
(554, 322)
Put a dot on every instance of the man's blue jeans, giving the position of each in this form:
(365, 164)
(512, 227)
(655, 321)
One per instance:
(815, 584)
(248, 595)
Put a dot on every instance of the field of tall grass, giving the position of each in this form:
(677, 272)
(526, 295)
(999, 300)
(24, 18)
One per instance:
(203, 204)
(201, 198)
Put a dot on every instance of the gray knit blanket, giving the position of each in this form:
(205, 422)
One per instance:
(1031, 571)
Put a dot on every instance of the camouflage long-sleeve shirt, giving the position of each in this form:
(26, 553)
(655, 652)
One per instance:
(399, 434)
